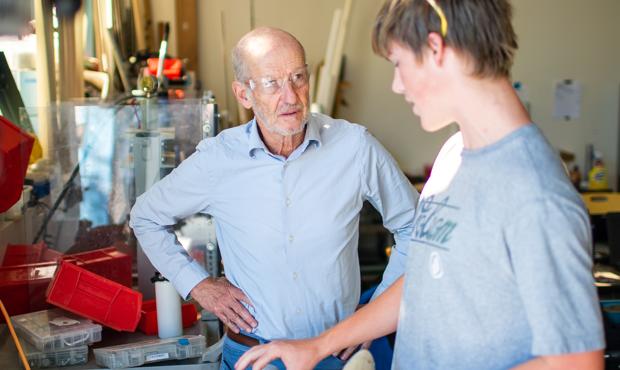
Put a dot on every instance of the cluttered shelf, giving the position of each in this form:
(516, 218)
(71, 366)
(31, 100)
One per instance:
(197, 349)
(604, 208)
(90, 291)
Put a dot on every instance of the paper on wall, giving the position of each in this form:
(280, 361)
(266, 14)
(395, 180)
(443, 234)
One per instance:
(567, 102)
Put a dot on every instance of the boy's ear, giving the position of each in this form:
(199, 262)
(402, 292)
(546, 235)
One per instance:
(436, 45)
(241, 94)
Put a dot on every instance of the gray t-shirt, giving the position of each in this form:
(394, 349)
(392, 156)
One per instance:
(499, 268)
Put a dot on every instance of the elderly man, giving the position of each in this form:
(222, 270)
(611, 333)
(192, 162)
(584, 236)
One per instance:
(285, 190)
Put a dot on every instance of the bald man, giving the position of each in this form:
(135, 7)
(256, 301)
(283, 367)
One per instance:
(285, 190)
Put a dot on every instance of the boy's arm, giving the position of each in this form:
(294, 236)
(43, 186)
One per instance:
(378, 318)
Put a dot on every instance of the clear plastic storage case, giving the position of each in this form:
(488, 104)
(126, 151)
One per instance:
(56, 329)
(155, 350)
(38, 359)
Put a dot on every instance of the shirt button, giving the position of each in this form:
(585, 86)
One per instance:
(291, 238)
(294, 276)
(288, 202)
(298, 310)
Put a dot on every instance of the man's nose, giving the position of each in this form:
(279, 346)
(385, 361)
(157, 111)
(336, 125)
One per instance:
(289, 94)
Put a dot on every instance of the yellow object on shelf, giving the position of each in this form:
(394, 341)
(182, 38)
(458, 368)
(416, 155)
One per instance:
(37, 150)
(597, 178)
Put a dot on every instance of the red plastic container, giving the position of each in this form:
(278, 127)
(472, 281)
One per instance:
(107, 262)
(23, 254)
(23, 284)
(15, 148)
(50, 255)
(23, 287)
(148, 320)
(82, 292)
(20, 254)
(173, 67)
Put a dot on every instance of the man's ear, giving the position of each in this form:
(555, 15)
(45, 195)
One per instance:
(436, 46)
(241, 93)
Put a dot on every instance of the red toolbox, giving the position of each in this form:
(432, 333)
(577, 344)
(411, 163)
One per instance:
(148, 320)
(22, 287)
(107, 262)
(82, 292)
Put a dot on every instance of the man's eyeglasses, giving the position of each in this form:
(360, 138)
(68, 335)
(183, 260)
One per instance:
(268, 85)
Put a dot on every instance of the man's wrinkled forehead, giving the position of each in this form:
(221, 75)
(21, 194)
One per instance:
(265, 55)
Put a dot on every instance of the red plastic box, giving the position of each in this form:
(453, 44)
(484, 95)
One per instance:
(148, 320)
(20, 254)
(173, 67)
(107, 262)
(23, 287)
(23, 254)
(51, 255)
(82, 292)
(15, 148)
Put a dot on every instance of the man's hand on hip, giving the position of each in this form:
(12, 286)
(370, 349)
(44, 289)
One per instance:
(219, 296)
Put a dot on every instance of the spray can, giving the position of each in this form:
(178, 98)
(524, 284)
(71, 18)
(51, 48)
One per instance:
(168, 302)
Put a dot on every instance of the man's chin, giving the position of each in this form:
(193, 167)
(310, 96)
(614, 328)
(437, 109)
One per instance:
(290, 128)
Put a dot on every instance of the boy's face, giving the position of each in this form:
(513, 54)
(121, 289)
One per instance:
(417, 81)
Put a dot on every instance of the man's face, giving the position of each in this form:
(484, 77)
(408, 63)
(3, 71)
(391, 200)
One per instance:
(281, 110)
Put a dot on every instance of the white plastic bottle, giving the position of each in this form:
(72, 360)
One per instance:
(168, 302)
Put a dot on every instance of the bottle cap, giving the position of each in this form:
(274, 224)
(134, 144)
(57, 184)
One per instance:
(158, 277)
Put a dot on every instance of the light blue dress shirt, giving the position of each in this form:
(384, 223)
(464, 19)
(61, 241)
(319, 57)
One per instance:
(287, 228)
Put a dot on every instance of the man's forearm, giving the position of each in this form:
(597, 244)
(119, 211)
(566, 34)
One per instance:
(376, 319)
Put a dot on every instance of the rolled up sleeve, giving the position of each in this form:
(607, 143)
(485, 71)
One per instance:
(184, 192)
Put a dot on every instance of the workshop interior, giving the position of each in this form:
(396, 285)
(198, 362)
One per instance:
(100, 99)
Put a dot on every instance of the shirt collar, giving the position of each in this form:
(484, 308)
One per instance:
(313, 136)
(254, 140)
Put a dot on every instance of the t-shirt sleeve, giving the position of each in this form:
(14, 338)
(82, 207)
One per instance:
(549, 242)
